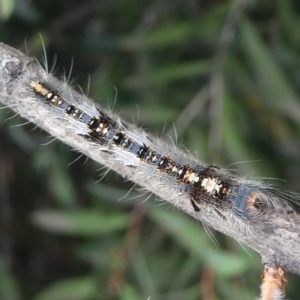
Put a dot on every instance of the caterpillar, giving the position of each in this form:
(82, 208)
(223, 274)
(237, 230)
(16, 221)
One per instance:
(210, 185)
(249, 210)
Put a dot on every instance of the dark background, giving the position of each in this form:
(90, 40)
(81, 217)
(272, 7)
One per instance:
(226, 73)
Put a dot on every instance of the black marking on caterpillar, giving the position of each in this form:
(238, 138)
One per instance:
(209, 185)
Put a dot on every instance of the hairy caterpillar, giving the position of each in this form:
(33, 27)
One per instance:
(204, 184)
(242, 208)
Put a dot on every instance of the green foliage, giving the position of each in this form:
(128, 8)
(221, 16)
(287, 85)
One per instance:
(70, 289)
(84, 223)
(64, 235)
(6, 9)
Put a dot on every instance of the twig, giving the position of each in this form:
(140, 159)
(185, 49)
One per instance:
(273, 283)
(277, 241)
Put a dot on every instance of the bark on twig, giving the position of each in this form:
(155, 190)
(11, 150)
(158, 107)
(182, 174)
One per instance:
(278, 241)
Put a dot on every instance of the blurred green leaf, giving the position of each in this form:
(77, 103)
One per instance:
(226, 264)
(168, 35)
(84, 223)
(6, 9)
(48, 161)
(184, 229)
(141, 269)
(110, 194)
(234, 140)
(70, 289)
(168, 74)
(276, 92)
(191, 236)
(128, 292)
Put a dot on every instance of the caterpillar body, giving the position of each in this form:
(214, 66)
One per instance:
(251, 211)
(219, 189)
